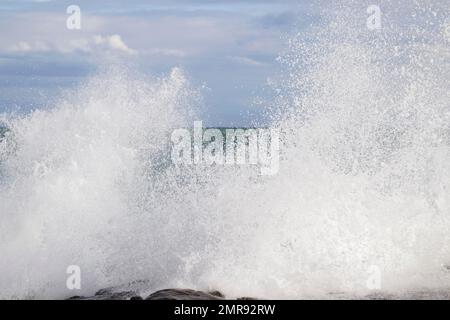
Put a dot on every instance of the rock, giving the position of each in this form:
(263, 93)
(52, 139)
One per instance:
(217, 294)
(182, 294)
(128, 291)
(109, 294)
(76, 298)
(137, 289)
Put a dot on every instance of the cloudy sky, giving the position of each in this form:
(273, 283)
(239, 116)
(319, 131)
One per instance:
(228, 45)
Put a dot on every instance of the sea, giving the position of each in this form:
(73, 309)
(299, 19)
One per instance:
(360, 204)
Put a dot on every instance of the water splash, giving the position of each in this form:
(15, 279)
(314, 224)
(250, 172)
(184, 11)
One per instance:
(72, 178)
(363, 181)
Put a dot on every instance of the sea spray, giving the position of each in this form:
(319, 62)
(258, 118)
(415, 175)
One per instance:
(365, 177)
(72, 187)
(227, 146)
(362, 188)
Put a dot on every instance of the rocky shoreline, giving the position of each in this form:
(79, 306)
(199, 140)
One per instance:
(134, 291)
(166, 294)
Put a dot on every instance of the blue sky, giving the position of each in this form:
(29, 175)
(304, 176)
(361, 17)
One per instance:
(229, 46)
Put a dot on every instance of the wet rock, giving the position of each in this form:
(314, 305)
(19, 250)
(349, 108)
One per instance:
(110, 294)
(182, 294)
(138, 289)
(76, 298)
(217, 294)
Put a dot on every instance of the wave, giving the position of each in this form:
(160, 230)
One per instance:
(362, 184)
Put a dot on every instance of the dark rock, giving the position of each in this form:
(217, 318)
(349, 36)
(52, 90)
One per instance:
(103, 292)
(181, 294)
(217, 293)
(108, 295)
(135, 290)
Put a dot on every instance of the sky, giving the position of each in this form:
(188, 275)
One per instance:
(228, 46)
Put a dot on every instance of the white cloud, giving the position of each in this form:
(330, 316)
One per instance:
(113, 42)
(162, 35)
(246, 61)
(93, 44)
(81, 44)
(168, 52)
(21, 46)
(24, 46)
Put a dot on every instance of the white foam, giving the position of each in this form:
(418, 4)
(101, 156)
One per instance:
(363, 181)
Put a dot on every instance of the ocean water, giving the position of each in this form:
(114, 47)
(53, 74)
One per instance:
(363, 185)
